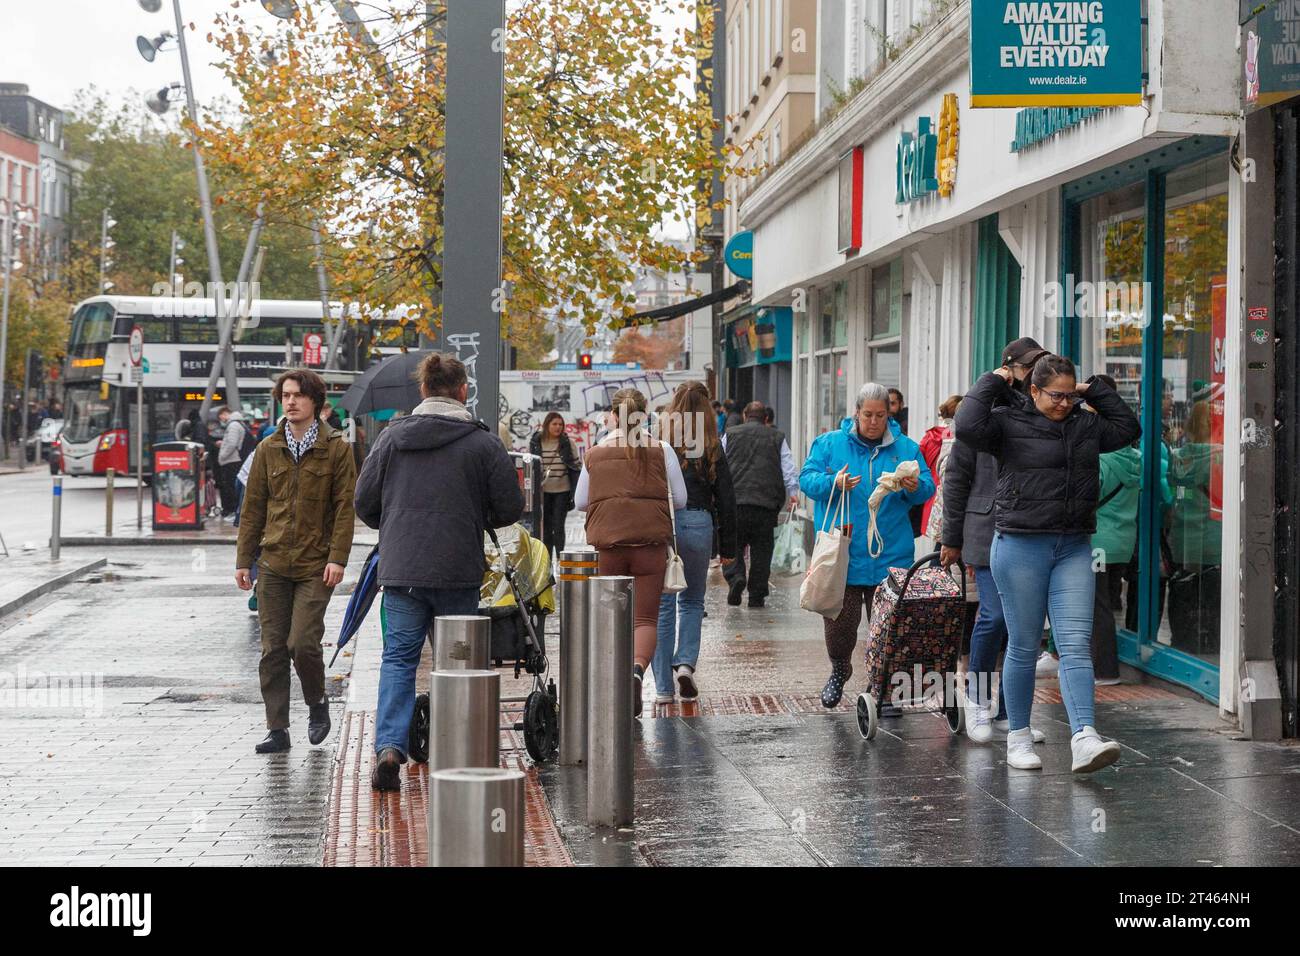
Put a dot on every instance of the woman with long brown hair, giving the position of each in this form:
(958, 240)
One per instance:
(691, 428)
(560, 470)
(629, 487)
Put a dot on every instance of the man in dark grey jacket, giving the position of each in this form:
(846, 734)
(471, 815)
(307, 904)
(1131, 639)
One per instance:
(431, 484)
(764, 477)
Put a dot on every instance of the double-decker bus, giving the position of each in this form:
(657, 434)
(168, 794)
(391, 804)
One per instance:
(180, 337)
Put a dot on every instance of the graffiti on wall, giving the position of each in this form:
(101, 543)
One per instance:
(588, 403)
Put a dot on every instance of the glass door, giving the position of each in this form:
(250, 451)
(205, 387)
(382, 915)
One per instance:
(1145, 302)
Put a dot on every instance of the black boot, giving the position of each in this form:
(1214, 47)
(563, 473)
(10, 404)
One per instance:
(277, 741)
(318, 721)
(735, 591)
(385, 774)
(638, 675)
(841, 671)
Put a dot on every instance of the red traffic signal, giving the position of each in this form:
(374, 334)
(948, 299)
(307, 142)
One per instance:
(584, 361)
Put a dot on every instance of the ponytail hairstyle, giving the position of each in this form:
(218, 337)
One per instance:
(1049, 367)
(628, 405)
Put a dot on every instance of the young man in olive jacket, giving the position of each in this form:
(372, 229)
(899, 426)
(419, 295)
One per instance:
(298, 512)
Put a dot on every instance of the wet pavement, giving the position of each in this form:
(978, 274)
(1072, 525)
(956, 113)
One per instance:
(150, 759)
(756, 774)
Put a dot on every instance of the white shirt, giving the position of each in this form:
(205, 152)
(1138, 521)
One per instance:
(676, 483)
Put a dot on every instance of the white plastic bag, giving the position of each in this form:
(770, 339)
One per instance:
(788, 556)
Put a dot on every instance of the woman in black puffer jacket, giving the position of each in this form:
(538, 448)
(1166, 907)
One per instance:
(1048, 483)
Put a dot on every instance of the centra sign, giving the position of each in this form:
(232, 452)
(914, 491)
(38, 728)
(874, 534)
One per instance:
(918, 155)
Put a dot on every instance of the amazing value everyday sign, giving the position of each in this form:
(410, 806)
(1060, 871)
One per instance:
(1056, 54)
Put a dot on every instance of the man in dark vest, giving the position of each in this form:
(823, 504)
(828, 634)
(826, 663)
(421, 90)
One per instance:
(765, 479)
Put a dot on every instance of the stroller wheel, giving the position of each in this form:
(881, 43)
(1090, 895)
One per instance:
(955, 715)
(541, 726)
(417, 741)
(868, 722)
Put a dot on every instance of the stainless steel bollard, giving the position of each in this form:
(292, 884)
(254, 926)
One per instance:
(577, 567)
(476, 817)
(464, 719)
(56, 519)
(609, 701)
(108, 505)
(461, 642)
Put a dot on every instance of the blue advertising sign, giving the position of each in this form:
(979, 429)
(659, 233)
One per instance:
(739, 255)
(1056, 54)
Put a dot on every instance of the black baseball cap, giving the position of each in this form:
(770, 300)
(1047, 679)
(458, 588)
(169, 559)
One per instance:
(1024, 351)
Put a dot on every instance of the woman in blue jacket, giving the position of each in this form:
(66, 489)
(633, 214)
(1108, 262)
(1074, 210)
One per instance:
(868, 445)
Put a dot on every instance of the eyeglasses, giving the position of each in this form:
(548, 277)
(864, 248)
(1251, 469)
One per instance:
(1062, 398)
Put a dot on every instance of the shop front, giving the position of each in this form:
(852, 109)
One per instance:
(758, 358)
(1145, 299)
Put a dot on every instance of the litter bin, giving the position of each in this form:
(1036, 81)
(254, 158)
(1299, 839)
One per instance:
(529, 470)
(178, 486)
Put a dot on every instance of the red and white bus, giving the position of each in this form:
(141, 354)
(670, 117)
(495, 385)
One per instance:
(180, 343)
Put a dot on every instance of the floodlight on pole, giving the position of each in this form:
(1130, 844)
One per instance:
(149, 48)
(161, 101)
(150, 6)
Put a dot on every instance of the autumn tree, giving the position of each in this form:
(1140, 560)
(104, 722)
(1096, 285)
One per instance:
(605, 143)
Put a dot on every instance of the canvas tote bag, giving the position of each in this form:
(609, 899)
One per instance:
(823, 586)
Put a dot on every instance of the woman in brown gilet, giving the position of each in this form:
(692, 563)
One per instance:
(625, 488)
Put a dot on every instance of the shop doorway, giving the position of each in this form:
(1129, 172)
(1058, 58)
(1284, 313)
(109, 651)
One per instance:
(1145, 263)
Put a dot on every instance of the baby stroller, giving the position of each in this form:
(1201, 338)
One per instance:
(919, 619)
(518, 593)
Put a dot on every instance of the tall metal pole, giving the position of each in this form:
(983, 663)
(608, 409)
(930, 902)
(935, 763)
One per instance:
(472, 298)
(103, 249)
(209, 227)
(22, 410)
(139, 453)
(171, 266)
(333, 333)
(6, 252)
(223, 360)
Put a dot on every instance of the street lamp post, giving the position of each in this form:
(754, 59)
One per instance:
(8, 231)
(174, 261)
(106, 222)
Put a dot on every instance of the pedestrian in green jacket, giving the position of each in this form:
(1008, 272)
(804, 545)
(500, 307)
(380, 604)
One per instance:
(298, 513)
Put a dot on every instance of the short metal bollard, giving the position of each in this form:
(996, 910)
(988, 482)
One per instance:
(610, 621)
(464, 719)
(462, 642)
(577, 568)
(476, 817)
(56, 519)
(108, 505)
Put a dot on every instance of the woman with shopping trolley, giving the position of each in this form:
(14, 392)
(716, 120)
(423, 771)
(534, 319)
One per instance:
(1048, 452)
(840, 473)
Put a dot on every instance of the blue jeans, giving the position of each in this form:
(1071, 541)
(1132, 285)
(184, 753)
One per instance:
(408, 612)
(681, 615)
(986, 641)
(1046, 576)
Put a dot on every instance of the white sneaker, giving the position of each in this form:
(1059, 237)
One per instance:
(1090, 752)
(1020, 751)
(1004, 726)
(685, 676)
(1107, 681)
(665, 698)
(1047, 665)
(978, 727)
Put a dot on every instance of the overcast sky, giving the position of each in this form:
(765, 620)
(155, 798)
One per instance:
(57, 47)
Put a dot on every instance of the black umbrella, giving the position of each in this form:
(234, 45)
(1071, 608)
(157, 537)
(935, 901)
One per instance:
(387, 384)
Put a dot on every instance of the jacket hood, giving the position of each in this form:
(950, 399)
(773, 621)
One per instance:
(891, 433)
(1127, 466)
(425, 430)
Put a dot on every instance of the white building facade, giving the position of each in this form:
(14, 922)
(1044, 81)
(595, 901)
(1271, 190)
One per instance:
(920, 290)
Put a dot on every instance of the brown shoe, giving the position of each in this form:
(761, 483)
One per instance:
(385, 774)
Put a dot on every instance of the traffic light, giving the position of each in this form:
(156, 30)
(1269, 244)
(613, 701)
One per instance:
(584, 361)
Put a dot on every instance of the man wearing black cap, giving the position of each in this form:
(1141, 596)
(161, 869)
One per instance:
(1020, 357)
